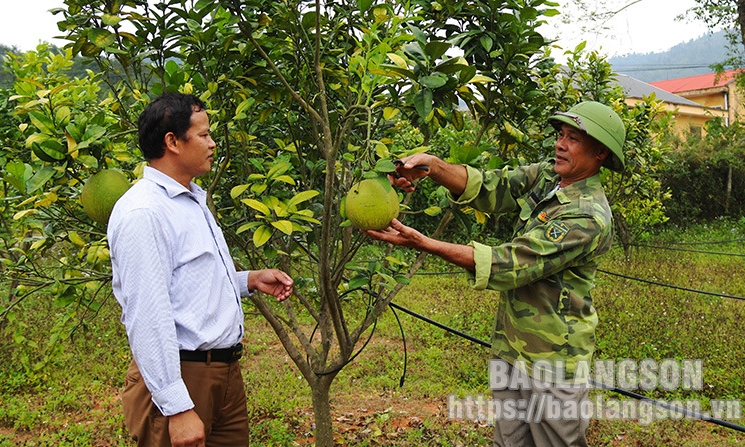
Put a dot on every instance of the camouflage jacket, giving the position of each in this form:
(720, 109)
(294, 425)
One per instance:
(546, 272)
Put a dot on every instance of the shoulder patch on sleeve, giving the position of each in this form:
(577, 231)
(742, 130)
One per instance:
(556, 231)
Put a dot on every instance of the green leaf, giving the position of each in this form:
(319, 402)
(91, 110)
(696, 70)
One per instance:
(278, 169)
(238, 190)
(393, 70)
(358, 281)
(423, 102)
(433, 211)
(258, 188)
(284, 226)
(414, 49)
(63, 115)
(381, 150)
(398, 60)
(434, 81)
(436, 49)
(100, 37)
(245, 105)
(364, 5)
(94, 133)
(286, 179)
(110, 20)
(302, 197)
(385, 166)
(466, 74)
(385, 183)
(258, 206)
(42, 122)
(262, 235)
(452, 65)
(306, 219)
(464, 154)
(49, 150)
(393, 261)
(402, 279)
(39, 179)
(481, 79)
(486, 43)
(458, 120)
(19, 170)
(171, 67)
(75, 238)
(390, 113)
(247, 226)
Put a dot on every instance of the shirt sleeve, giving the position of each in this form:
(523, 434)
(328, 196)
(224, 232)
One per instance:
(242, 279)
(540, 252)
(142, 264)
(497, 191)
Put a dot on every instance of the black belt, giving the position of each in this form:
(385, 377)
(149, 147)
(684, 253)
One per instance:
(226, 355)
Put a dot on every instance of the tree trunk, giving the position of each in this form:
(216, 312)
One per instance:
(728, 196)
(322, 410)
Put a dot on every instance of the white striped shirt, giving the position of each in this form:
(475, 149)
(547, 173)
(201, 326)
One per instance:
(175, 280)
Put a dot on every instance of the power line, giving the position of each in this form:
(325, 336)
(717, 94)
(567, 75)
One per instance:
(620, 67)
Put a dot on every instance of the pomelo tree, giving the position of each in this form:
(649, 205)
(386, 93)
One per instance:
(305, 99)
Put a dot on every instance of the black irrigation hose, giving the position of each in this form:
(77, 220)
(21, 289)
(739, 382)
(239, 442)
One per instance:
(687, 289)
(632, 278)
(359, 351)
(403, 337)
(684, 411)
(730, 241)
(688, 413)
(688, 250)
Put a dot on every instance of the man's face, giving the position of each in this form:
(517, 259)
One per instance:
(578, 155)
(197, 150)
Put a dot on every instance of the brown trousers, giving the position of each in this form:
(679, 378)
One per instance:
(219, 399)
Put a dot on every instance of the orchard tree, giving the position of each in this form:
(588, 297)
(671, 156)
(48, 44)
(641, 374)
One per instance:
(305, 98)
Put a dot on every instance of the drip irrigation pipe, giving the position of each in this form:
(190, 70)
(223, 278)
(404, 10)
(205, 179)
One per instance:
(688, 413)
(632, 278)
(688, 250)
(729, 241)
(687, 289)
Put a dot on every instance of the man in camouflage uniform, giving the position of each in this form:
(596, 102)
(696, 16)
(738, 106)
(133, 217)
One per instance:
(545, 323)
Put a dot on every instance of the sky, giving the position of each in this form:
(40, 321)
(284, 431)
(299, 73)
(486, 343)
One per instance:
(648, 26)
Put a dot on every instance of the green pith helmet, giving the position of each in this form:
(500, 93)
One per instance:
(600, 122)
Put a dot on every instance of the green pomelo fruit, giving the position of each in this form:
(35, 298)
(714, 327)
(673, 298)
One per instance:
(101, 192)
(371, 204)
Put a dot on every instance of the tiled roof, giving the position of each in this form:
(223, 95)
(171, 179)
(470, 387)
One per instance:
(634, 88)
(699, 82)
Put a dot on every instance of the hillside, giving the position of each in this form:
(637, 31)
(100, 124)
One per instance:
(689, 58)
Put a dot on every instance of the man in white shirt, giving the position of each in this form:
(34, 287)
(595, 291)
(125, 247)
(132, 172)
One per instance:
(179, 290)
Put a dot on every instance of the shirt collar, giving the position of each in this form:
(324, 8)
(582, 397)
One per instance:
(577, 188)
(171, 186)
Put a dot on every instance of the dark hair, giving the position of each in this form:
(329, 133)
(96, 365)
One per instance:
(170, 112)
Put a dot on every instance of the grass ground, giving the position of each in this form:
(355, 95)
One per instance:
(67, 394)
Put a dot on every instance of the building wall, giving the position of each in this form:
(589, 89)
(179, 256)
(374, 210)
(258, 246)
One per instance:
(688, 119)
(728, 98)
